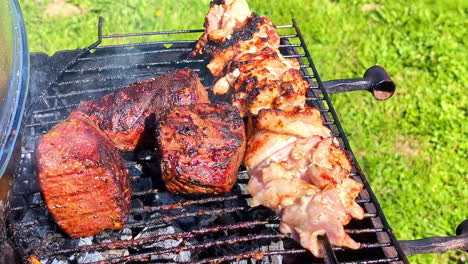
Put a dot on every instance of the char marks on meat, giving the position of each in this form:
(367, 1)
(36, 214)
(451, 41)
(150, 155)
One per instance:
(83, 178)
(223, 18)
(249, 66)
(202, 147)
(129, 116)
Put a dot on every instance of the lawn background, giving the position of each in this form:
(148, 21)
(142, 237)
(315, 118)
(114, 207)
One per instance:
(412, 147)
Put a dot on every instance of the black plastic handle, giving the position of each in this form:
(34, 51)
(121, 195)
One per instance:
(376, 80)
(438, 244)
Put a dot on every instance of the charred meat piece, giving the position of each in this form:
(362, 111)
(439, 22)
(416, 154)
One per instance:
(202, 147)
(129, 116)
(264, 80)
(223, 18)
(83, 179)
(257, 34)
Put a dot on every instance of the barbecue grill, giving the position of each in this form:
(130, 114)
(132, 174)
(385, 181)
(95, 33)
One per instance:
(168, 228)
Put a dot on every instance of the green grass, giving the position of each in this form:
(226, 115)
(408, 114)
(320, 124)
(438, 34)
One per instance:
(413, 147)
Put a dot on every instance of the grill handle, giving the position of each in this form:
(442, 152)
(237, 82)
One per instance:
(376, 80)
(438, 244)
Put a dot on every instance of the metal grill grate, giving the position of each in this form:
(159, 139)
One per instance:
(162, 227)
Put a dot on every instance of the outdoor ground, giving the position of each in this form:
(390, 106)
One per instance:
(412, 147)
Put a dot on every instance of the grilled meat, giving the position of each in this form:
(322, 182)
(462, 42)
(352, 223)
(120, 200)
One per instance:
(324, 214)
(295, 166)
(257, 34)
(248, 63)
(263, 80)
(223, 17)
(329, 164)
(299, 171)
(129, 116)
(202, 147)
(300, 123)
(83, 178)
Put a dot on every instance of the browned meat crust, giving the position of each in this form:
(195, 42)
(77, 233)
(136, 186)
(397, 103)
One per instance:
(129, 115)
(201, 147)
(83, 178)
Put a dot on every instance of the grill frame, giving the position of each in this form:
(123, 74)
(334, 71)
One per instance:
(64, 64)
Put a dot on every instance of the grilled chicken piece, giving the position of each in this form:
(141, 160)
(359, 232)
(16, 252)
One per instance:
(264, 79)
(348, 190)
(129, 116)
(82, 177)
(223, 18)
(202, 147)
(301, 123)
(265, 146)
(277, 186)
(314, 215)
(257, 34)
(299, 171)
(329, 164)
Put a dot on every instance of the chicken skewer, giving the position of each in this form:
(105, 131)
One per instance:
(296, 167)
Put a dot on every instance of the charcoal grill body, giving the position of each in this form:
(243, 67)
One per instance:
(163, 227)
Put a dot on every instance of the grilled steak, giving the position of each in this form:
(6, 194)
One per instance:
(129, 115)
(202, 147)
(83, 178)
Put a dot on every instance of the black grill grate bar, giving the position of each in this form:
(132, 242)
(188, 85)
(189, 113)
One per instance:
(143, 44)
(362, 200)
(314, 99)
(370, 215)
(290, 36)
(161, 207)
(120, 54)
(113, 78)
(373, 261)
(155, 221)
(256, 254)
(53, 109)
(136, 65)
(43, 123)
(90, 91)
(204, 245)
(172, 32)
(183, 204)
(365, 246)
(167, 218)
(153, 33)
(290, 45)
(44, 252)
(139, 53)
(364, 230)
(294, 56)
